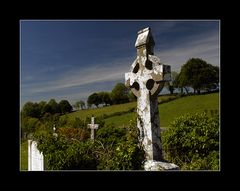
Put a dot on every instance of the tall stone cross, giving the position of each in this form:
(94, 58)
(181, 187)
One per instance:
(146, 79)
(93, 127)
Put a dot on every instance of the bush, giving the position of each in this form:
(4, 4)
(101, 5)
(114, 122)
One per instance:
(193, 140)
(62, 154)
(115, 148)
(110, 134)
(29, 125)
(73, 133)
(120, 150)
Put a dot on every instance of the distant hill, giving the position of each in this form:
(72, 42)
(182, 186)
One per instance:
(122, 113)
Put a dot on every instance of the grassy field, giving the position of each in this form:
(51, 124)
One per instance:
(109, 109)
(168, 111)
(24, 156)
(100, 111)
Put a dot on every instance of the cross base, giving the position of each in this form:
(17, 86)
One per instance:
(152, 165)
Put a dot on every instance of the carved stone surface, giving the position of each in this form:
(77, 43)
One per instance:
(152, 165)
(146, 79)
(35, 158)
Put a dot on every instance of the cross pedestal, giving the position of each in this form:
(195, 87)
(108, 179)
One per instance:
(93, 127)
(146, 79)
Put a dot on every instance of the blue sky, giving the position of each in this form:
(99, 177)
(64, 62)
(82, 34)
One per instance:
(71, 59)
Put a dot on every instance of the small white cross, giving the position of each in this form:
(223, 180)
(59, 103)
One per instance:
(93, 126)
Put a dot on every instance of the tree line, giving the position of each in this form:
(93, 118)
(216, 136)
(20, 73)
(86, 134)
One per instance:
(197, 74)
(119, 94)
(39, 110)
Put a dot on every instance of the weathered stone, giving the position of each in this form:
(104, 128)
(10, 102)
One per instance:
(54, 131)
(152, 165)
(93, 127)
(146, 79)
(35, 158)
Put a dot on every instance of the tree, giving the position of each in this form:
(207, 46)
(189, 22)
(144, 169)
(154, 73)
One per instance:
(31, 109)
(131, 96)
(198, 74)
(42, 105)
(119, 94)
(172, 84)
(79, 104)
(65, 106)
(94, 99)
(82, 104)
(53, 106)
(105, 98)
(28, 125)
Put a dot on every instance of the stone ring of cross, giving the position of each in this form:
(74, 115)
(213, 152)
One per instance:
(147, 72)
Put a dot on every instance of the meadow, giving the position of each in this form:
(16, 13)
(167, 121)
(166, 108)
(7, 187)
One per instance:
(121, 114)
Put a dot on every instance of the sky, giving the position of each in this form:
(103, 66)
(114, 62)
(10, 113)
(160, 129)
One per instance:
(71, 59)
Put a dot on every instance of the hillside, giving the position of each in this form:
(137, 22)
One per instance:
(168, 111)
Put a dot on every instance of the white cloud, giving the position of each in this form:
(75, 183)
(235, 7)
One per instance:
(82, 76)
(205, 46)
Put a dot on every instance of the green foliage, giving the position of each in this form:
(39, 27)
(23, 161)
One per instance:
(110, 134)
(24, 155)
(53, 107)
(210, 162)
(105, 98)
(29, 125)
(31, 109)
(62, 154)
(198, 74)
(79, 123)
(171, 85)
(65, 106)
(94, 99)
(120, 151)
(131, 96)
(119, 94)
(168, 110)
(115, 149)
(71, 133)
(79, 104)
(191, 139)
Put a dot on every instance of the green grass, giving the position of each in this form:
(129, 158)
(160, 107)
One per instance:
(169, 111)
(83, 114)
(191, 104)
(24, 156)
(108, 110)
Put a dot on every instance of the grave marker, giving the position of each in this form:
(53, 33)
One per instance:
(146, 79)
(93, 127)
(35, 158)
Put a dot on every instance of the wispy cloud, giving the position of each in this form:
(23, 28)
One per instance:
(81, 76)
(75, 81)
(205, 46)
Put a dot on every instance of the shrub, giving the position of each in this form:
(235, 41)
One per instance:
(73, 133)
(110, 134)
(62, 154)
(114, 149)
(193, 140)
(120, 150)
